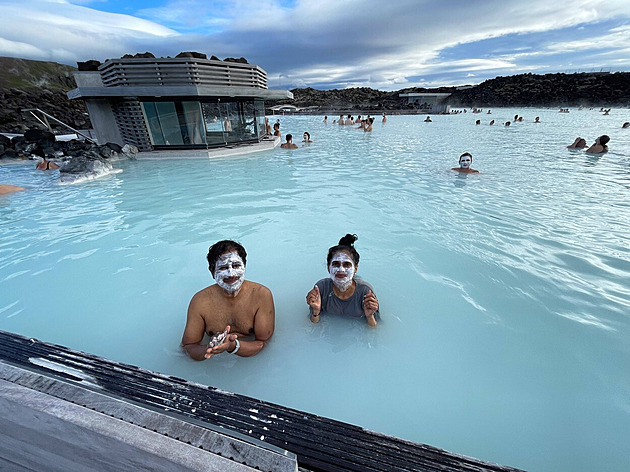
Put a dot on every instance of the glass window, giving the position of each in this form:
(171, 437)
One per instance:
(195, 124)
(214, 124)
(153, 123)
(191, 123)
(259, 110)
(169, 123)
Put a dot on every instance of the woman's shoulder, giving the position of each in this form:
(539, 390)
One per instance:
(324, 283)
(363, 285)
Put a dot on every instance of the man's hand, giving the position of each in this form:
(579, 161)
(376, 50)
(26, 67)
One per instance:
(314, 300)
(370, 306)
(228, 344)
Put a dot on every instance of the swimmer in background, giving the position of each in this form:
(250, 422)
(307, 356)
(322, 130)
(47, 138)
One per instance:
(384, 118)
(7, 188)
(478, 122)
(507, 123)
(428, 119)
(268, 128)
(599, 146)
(326, 119)
(289, 144)
(491, 122)
(579, 143)
(342, 293)
(537, 120)
(367, 127)
(626, 124)
(465, 161)
(45, 164)
(340, 121)
(307, 137)
(241, 309)
(276, 130)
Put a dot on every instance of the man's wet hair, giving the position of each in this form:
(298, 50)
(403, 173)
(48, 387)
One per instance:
(220, 248)
(345, 244)
(466, 154)
(289, 137)
(603, 139)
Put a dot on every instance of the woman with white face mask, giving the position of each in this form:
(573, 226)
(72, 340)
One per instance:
(465, 161)
(342, 293)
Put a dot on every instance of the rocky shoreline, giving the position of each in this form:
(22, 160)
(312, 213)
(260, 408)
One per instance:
(525, 90)
(14, 103)
(79, 160)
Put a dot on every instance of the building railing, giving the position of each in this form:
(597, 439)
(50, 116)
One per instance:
(181, 71)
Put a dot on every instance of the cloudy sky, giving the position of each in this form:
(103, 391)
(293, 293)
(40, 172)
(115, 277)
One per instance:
(325, 44)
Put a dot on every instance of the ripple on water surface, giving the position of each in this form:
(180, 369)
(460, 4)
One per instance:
(504, 296)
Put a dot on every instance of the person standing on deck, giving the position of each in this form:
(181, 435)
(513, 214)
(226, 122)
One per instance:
(237, 314)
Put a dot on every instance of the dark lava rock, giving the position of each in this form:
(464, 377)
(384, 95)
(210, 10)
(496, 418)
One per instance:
(196, 55)
(114, 147)
(44, 138)
(140, 55)
(91, 65)
(9, 154)
(240, 60)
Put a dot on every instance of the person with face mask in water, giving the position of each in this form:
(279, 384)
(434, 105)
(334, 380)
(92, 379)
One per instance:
(342, 293)
(237, 315)
(465, 161)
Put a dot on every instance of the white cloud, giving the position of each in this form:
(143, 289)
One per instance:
(364, 42)
(615, 38)
(59, 31)
(19, 49)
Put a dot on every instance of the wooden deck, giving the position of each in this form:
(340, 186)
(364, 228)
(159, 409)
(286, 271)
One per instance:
(320, 444)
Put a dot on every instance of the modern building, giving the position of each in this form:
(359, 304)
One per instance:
(428, 102)
(186, 102)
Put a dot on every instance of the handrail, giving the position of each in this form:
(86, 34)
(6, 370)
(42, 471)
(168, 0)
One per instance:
(45, 122)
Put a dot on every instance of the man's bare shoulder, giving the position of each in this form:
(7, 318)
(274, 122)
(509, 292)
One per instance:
(257, 289)
(205, 294)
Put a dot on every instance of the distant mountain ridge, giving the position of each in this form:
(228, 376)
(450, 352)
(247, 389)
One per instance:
(25, 74)
(587, 89)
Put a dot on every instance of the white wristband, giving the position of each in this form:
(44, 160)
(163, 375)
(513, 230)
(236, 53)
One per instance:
(238, 346)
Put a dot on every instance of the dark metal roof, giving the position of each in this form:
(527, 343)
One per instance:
(192, 92)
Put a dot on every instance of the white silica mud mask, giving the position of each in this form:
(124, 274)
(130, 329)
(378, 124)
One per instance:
(229, 272)
(342, 270)
(465, 161)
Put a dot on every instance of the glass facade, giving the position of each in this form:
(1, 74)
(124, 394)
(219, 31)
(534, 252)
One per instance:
(204, 124)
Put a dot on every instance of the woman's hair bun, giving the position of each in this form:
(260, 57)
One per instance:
(348, 240)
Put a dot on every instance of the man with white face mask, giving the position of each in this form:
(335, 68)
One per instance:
(342, 293)
(465, 161)
(236, 314)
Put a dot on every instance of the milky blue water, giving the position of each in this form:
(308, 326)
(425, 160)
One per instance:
(505, 296)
